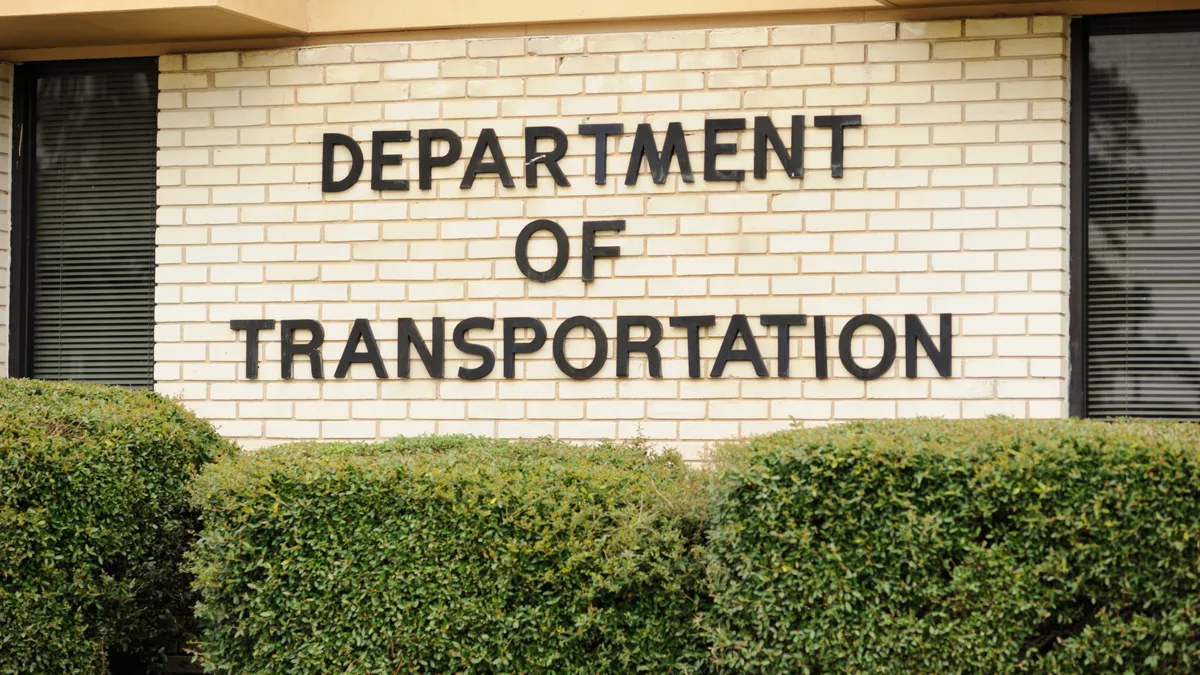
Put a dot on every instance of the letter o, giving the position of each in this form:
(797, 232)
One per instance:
(889, 346)
(560, 257)
(560, 352)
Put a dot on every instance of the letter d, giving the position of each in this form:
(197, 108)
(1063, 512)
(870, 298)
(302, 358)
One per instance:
(330, 141)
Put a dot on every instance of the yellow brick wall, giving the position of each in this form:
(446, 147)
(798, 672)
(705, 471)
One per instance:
(953, 200)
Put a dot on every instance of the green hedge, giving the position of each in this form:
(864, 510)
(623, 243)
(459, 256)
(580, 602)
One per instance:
(992, 546)
(94, 520)
(450, 554)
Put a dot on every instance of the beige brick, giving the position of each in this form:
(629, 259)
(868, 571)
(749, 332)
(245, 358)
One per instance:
(1045, 46)
(997, 27)
(708, 60)
(997, 111)
(646, 62)
(1049, 24)
(298, 75)
(532, 65)
(1033, 89)
(969, 49)
(183, 81)
(997, 70)
(899, 51)
(569, 44)
(740, 79)
(930, 30)
(771, 56)
(241, 78)
(213, 99)
(498, 47)
(410, 71)
(212, 61)
(170, 62)
(864, 32)
(621, 42)
(671, 81)
(930, 72)
(836, 96)
(802, 35)
(971, 91)
(319, 56)
(835, 54)
(366, 72)
(269, 58)
(868, 74)
(738, 37)
(438, 49)
(935, 156)
(587, 65)
(798, 77)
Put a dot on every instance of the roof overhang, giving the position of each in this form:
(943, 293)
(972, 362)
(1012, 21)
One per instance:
(39, 24)
(41, 29)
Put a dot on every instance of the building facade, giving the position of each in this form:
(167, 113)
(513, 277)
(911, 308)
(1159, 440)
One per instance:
(680, 229)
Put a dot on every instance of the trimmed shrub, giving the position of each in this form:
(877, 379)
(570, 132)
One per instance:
(991, 546)
(449, 554)
(94, 520)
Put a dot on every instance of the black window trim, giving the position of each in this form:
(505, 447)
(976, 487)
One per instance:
(21, 196)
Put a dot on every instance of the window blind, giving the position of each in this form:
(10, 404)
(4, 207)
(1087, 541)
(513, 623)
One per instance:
(1142, 309)
(93, 220)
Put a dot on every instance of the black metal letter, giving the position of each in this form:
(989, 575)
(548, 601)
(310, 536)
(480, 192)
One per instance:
(738, 325)
(560, 257)
(425, 159)
(649, 346)
(845, 347)
(360, 332)
(821, 353)
(550, 159)
(601, 132)
(712, 148)
(674, 146)
(410, 335)
(560, 349)
(460, 342)
(328, 143)
(591, 251)
(288, 349)
(251, 326)
(764, 131)
(380, 159)
(784, 322)
(487, 142)
(914, 330)
(838, 123)
(693, 324)
(512, 347)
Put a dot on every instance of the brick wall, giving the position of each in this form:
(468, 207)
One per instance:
(953, 200)
(6, 79)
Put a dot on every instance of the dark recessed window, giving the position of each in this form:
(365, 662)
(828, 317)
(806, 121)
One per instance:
(1136, 217)
(84, 203)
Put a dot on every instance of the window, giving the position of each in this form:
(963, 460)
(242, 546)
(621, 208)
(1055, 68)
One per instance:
(1136, 216)
(83, 216)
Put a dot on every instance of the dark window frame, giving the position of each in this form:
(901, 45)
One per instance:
(1082, 29)
(22, 196)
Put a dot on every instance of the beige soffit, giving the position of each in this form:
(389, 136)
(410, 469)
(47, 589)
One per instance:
(40, 29)
(29, 24)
